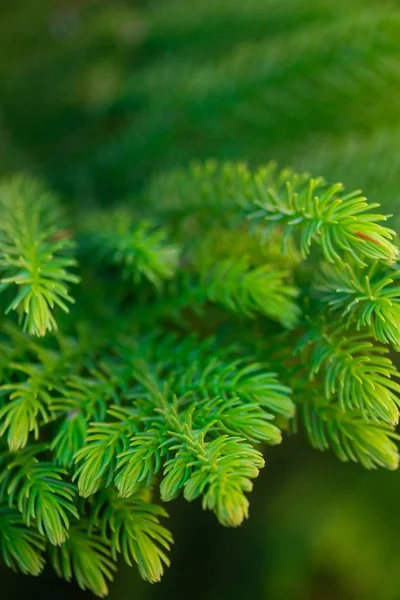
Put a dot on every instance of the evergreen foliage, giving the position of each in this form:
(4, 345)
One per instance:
(33, 254)
(162, 325)
(146, 390)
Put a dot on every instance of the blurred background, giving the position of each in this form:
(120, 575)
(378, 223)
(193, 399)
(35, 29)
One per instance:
(96, 96)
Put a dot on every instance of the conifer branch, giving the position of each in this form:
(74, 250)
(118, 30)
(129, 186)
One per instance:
(221, 474)
(308, 209)
(357, 372)
(39, 492)
(28, 404)
(232, 380)
(133, 529)
(98, 457)
(247, 291)
(219, 470)
(21, 546)
(324, 214)
(367, 298)
(35, 252)
(179, 391)
(140, 249)
(86, 557)
(347, 433)
(82, 400)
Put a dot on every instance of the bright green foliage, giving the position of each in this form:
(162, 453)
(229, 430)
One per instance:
(302, 206)
(33, 257)
(28, 401)
(322, 213)
(347, 433)
(224, 471)
(230, 380)
(358, 372)
(40, 494)
(98, 457)
(133, 527)
(366, 298)
(270, 294)
(247, 290)
(20, 546)
(124, 402)
(86, 558)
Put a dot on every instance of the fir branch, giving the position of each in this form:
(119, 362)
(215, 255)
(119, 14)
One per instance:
(39, 492)
(355, 371)
(366, 298)
(231, 396)
(222, 477)
(347, 433)
(232, 379)
(83, 400)
(220, 470)
(138, 465)
(234, 417)
(34, 248)
(86, 557)
(98, 457)
(124, 408)
(133, 529)
(301, 206)
(179, 434)
(140, 249)
(248, 291)
(207, 369)
(28, 404)
(21, 547)
(322, 213)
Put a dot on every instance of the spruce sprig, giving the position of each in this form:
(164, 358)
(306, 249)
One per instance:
(367, 298)
(35, 254)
